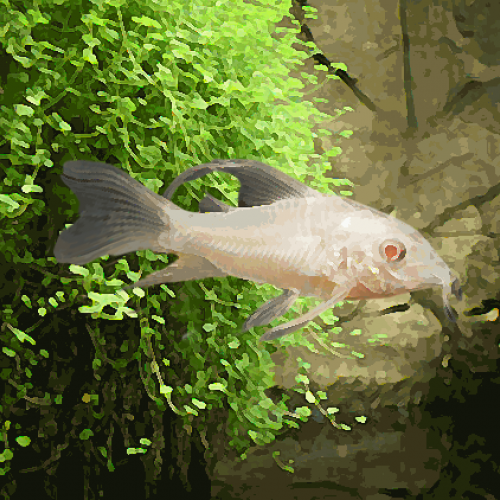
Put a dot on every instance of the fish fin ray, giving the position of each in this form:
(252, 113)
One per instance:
(341, 293)
(261, 184)
(211, 204)
(118, 214)
(272, 309)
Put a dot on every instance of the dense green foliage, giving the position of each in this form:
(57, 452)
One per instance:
(153, 87)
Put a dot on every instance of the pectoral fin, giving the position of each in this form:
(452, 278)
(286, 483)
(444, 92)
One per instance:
(272, 309)
(186, 268)
(342, 292)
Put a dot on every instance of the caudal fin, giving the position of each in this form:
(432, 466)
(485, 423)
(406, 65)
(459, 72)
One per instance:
(117, 214)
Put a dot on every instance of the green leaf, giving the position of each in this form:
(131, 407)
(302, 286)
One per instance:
(21, 336)
(64, 126)
(310, 397)
(303, 411)
(23, 110)
(146, 21)
(200, 404)
(38, 17)
(31, 188)
(4, 198)
(86, 434)
(23, 441)
(8, 352)
(6, 455)
(198, 102)
(166, 389)
(78, 270)
(217, 386)
(89, 56)
(90, 40)
(321, 395)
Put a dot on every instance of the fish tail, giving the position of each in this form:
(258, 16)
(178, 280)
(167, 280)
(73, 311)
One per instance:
(117, 214)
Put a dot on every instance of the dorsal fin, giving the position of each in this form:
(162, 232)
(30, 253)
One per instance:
(261, 184)
(211, 204)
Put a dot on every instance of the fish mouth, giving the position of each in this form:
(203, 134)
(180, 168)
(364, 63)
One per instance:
(448, 289)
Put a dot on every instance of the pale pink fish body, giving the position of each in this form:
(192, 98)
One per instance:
(294, 244)
(283, 233)
(275, 244)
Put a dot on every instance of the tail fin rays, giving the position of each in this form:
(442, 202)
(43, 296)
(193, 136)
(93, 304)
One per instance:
(117, 214)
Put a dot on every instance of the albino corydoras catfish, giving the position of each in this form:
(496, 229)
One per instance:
(283, 233)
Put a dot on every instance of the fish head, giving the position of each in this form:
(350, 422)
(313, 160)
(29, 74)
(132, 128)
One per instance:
(409, 259)
(397, 259)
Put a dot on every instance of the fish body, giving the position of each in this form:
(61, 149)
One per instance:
(283, 233)
(295, 244)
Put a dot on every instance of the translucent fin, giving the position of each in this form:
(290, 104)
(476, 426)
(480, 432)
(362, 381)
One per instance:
(261, 184)
(341, 292)
(272, 309)
(211, 204)
(117, 214)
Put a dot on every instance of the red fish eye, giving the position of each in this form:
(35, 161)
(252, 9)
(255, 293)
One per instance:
(393, 251)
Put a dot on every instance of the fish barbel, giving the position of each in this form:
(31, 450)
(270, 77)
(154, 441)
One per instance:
(283, 233)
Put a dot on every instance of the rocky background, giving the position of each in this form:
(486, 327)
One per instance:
(423, 85)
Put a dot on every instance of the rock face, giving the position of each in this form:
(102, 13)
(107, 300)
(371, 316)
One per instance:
(424, 95)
